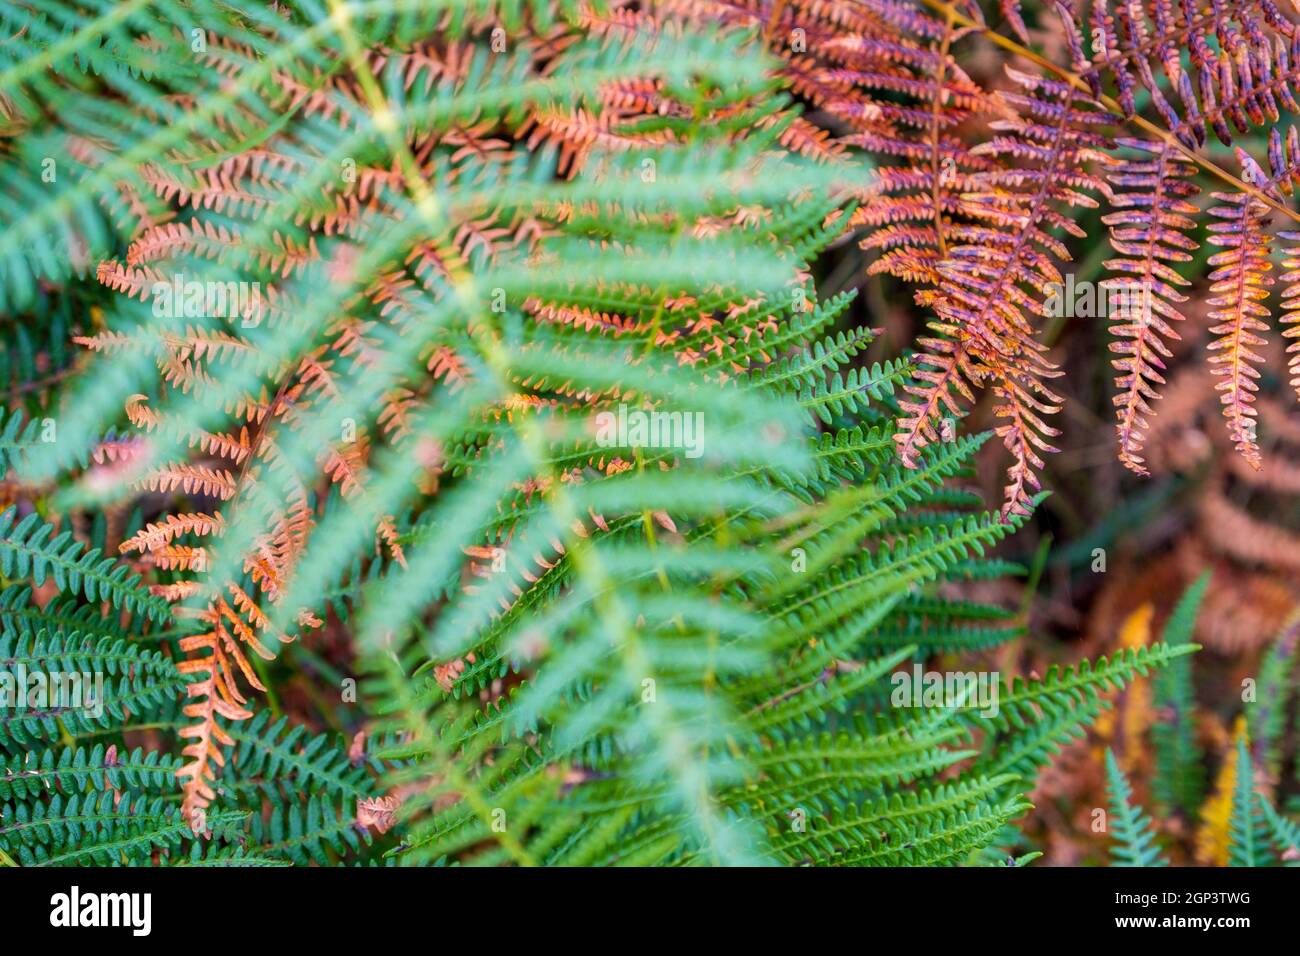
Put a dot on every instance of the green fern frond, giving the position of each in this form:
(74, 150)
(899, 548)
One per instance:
(1178, 779)
(31, 548)
(1247, 828)
(105, 828)
(1132, 831)
(70, 683)
(17, 436)
(20, 615)
(579, 646)
(1040, 715)
(218, 856)
(72, 770)
(1285, 833)
(1267, 716)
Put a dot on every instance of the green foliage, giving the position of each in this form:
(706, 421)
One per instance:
(1284, 833)
(1246, 827)
(1178, 780)
(588, 754)
(31, 548)
(75, 769)
(1255, 826)
(16, 436)
(72, 683)
(21, 615)
(103, 829)
(1038, 716)
(1275, 694)
(1135, 839)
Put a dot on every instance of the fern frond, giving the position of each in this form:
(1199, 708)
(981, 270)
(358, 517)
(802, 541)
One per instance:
(1134, 834)
(1241, 282)
(31, 548)
(1246, 826)
(72, 770)
(100, 828)
(68, 683)
(1149, 230)
(985, 335)
(1178, 777)
(1285, 833)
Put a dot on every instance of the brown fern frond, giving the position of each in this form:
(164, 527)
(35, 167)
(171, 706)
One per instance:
(883, 76)
(1241, 282)
(105, 342)
(583, 318)
(191, 479)
(802, 137)
(237, 448)
(345, 467)
(176, 592)
(155, 536)
(1011, 12)
(378, 812)
(1276, 474)
(575, 135)
(1284, 160)
(198, 238)
(992, 289)
(179, 558)
(1249, 539)
(1149, 231)
(1291, 306)
(134, 282)
(445, 364)
(209, 699)
(212, 697)
(125, 450)
(1242, 60)
(387, 533)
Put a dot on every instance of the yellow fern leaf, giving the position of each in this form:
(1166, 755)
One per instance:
(1213, 837)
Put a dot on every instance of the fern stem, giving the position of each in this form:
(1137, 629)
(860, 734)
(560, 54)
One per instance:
(127, 728)
(936, 160)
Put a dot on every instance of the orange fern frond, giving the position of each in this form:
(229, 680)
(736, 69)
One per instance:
(1149, 230)
(191, 479)
(1234, 532)
(1285, 162)
(134, 282)
(198, 237)
(118, 450)
(179, 558)
(208, 700)
(1241, 282)
(991, 290)
(387, 532)
(158, 535)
